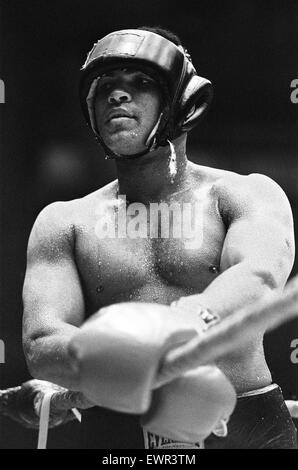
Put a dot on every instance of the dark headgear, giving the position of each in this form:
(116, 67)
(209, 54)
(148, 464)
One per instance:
(186, 94)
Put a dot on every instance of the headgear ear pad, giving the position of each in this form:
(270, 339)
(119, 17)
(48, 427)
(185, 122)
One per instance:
(194, 101)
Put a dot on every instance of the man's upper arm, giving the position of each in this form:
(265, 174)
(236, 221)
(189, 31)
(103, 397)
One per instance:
(260, 227)
(52, 293)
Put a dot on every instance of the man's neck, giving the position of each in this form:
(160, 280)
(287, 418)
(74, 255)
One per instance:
(153, 177)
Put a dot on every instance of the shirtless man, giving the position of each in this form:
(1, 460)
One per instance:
(245, 249)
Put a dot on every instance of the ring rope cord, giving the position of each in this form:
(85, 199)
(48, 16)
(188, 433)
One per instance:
(44, 419)
(292, 406)
(77, 414)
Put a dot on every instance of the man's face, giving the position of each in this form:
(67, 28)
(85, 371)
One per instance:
(127, 107)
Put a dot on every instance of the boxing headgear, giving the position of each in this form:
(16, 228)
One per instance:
(186, 95)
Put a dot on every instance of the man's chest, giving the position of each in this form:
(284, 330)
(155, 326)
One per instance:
(149, 258)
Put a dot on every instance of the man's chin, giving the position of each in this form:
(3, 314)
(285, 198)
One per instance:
(126, 156)
(124, 148)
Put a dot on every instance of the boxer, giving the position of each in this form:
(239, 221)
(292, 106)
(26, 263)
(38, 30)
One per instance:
(141, 95)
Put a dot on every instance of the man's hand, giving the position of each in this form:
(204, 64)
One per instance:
(22, 404)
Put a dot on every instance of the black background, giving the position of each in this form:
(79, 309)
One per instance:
(247, 48)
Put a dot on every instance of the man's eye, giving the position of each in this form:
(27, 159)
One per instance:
(104, 87)
(146, 82)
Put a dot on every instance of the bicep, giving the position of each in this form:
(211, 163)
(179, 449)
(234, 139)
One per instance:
(52, 293)
(261, 234)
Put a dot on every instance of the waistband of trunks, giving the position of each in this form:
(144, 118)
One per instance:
(258, 391)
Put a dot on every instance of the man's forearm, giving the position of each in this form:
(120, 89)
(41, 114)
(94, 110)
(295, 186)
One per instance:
(48, 358)
(232, 290)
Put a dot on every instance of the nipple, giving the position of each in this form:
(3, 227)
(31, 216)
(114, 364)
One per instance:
(213, 269)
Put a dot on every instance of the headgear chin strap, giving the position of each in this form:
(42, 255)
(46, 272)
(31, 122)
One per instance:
(186, 95)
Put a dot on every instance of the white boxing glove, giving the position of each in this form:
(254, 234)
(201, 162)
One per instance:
(191, 407)
(118, 350)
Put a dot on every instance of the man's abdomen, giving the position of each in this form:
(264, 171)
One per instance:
(246, 368)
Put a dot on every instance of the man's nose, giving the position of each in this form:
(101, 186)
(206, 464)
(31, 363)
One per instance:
(119, 96)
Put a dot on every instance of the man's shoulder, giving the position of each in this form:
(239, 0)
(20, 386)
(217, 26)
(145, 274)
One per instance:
(235, 191)
(67, 214)
(252, 193)
(226, 179)
(52, 227)
(218, 177)
(249, 188)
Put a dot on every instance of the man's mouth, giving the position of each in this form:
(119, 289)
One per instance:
(119, 115)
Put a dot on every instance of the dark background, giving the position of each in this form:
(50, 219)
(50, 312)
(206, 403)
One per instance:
(249, 51)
